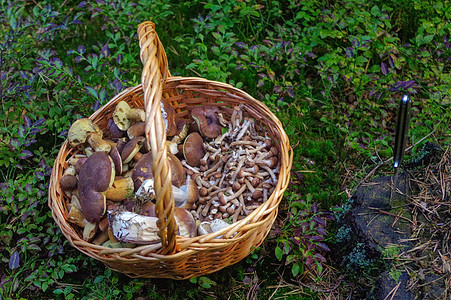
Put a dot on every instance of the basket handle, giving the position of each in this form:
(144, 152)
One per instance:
(154, 74)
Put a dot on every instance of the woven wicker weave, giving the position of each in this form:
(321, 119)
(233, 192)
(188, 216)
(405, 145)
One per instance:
(177, 257)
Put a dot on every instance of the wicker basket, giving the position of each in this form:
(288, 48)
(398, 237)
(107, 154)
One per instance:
(176, 257)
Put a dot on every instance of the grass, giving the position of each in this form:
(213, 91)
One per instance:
(333, 72)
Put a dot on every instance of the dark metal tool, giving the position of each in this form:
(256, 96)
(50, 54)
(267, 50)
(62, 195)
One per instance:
(402, 128)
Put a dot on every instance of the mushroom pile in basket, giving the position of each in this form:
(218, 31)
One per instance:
(222, 168)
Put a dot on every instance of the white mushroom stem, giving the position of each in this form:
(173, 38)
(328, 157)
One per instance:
(207, 207)
(235, 117)
(186, 165)
(200, 182)
(233, 196)
(214, 168)
(220, 138)
(245, 143)
(238, 168)
(243, 206)
(265, 195)
(222, 120)
(249, 185)
(237, 213)
(210, 148)
(213, 156)
(271, 162)
(243, 130)
(271, 173)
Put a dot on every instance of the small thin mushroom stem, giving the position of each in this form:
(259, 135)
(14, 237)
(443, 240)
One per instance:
(271, 173)
(238, 168)
(271, 162)
(237, 213)
(186, 165)
(220, 138)
(245, 143)
(209, 147)
(243, 130)
(182, 135)
(222, 120)
(214, 168)
(200, 182)
(225, 199)
(265, 195)
(243, 206)
(206, 208)
(249, 185)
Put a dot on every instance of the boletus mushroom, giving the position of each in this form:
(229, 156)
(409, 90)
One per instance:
(84, 130)
(95, 177)
(124, 114)
(193, 149)
(185, 222)
(207, 121)
(143, 170)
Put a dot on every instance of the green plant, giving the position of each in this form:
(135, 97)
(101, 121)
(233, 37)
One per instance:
(203, 282)
(301, 239)
(392, 253)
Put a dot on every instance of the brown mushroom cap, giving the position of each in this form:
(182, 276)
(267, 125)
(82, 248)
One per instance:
(185, 222)
(95, 177)
(168, 113)
(131, 148)
(117, 160)
(68, 182)
(207, 121)
(136, 129)
(148, 209)
(143, 170)
(79, 163)
(193, 149)
(114, 131)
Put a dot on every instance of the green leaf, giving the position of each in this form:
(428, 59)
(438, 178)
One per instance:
(428, 38)
(375, 11)
(58, 291)
(92, 91)
(295, 269)
(279, 253)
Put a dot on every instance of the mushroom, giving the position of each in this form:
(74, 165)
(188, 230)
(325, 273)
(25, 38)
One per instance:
(95, 177)
(131, 148)
(148, 209)
(143, 170)
(168, 113)
(207, 121)
(123, 114)
(114, 131)
(185, 222)
(213, 226)
(69, 181)
(137, 129)
(193, 149)
(120, 189)
(130, 227)
(190, 194)
(84, 130)
(117, 160)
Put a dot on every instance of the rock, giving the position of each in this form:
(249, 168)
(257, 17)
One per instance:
(372, 225)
